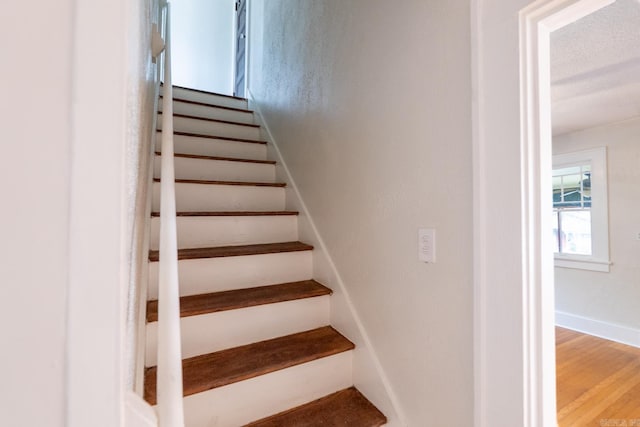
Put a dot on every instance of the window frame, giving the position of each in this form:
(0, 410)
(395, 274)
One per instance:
(599, 258)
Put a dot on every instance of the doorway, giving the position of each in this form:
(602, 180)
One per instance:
(538, 22)
(202, 39)
(595, 97)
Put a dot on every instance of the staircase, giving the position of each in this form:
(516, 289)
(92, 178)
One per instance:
(256, 341)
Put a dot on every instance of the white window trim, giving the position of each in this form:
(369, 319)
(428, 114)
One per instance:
(599, 258)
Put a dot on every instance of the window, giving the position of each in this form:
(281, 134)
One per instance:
(580, 220)
(572, 209)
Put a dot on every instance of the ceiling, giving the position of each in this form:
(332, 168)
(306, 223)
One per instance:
(595, 69)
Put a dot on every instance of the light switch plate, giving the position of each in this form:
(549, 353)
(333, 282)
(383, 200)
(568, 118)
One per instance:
(427, 245)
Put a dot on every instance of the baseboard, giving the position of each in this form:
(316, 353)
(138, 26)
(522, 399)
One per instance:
(368, 374)
(598, 328)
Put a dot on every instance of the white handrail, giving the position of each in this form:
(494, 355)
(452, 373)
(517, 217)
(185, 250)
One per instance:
(169, 370)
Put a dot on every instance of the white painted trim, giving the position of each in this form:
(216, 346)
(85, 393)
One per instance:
(582, 264)
(481, 376)
(247, 48)
(138, 413)
(401, 418)
(598, 328)
(537, 281)
(234, 65)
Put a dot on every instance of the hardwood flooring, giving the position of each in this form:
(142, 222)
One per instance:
(598, 381)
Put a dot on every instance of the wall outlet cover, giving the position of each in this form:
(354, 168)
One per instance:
(427, 245)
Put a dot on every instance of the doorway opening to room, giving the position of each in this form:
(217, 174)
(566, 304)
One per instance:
(595, 121)
(593, 239)
(204, 45)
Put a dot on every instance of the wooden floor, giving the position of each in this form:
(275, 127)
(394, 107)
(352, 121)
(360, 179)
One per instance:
(598, 381)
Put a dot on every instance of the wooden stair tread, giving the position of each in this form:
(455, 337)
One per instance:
(232, 213)
(227, 251)
(223, 138)
(202, 373)
(207, 92)
(206, 104)
(226, 159)
(194, 305)
(239, 183)
(344, 408)
(208, 119)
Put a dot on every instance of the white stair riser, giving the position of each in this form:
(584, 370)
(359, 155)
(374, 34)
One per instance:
(218, 331)
(201, 276)
(203, 232)
(205, 127)
(206, 197)
(259, 397)
(211, 112)
(215, 147)
(208, 98)
(219, 170)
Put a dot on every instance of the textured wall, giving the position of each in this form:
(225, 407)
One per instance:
(609, 297)
(369, 102)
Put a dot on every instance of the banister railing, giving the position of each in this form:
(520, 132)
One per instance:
(169, 369)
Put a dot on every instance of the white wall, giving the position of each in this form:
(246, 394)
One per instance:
(35, 113)
(500, 369)
(75, 76)
(609, 297)
(204, 44)
(110, 124)
(369, 102)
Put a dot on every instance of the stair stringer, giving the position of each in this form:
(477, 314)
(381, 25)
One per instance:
(368, 374)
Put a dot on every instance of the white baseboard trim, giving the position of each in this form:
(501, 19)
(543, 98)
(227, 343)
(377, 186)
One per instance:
(364, 353)
(598, 328)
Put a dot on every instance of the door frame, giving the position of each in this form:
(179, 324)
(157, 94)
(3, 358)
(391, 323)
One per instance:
(514, 304)
(246, 45)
